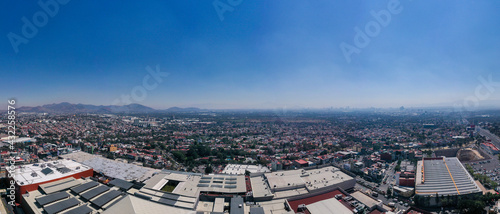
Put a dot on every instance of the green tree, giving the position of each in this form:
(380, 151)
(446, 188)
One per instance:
(471, 206)
(208, 169)
(179, 156)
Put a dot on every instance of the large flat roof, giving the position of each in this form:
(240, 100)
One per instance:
(443, 176)
(279, 206)
(110, 201)
(112, 168)
(290, 193)
(294, 204)
(187, 185)
(260, 188)
(59, 185)
(239, 169)
(191, 184)
(310, 179)
(237, 205)
(33, 199)
(330, 205)
(131, 205)
(222, 183)
(47, 171)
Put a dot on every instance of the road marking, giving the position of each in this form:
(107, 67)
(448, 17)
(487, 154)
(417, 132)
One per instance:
(451, 176)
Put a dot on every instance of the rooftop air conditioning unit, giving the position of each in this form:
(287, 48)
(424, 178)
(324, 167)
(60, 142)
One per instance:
(301, 207)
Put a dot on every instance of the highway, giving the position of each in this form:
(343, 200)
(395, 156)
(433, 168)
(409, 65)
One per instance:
(489, 136)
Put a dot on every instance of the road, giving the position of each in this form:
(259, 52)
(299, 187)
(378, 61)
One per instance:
(381, 197)
(389, 175)
(491, 165)
(489, 136)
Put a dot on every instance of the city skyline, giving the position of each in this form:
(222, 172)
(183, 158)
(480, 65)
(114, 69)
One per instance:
(252, 56)
(140, 108)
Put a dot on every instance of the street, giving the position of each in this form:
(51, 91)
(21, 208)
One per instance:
(384, 200)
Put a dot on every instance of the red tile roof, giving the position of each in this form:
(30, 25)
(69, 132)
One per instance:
(295, 203)
(301, 161)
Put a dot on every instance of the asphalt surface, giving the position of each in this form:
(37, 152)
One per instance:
(489, 136)
(368, 186)
(489, 166)
(384, 200)
(389, 178)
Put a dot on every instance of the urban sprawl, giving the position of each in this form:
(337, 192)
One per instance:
(253, 161)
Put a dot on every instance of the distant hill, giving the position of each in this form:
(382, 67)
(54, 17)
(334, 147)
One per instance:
(177, 109)
(69, 108)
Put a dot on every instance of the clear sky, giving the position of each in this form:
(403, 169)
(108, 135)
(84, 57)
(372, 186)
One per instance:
(263, 54)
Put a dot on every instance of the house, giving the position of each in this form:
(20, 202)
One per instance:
(300, 163)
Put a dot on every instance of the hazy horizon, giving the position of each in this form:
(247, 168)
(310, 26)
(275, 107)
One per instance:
(284, 109)
(254, 55)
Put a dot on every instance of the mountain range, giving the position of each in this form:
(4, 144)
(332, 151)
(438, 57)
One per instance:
(69, 108)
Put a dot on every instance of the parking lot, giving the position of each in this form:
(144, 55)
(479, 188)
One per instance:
(489, 166)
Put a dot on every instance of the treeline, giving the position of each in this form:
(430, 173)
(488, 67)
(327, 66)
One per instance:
(216, 156)
(484, 179)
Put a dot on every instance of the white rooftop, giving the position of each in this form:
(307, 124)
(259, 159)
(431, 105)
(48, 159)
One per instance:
(239, 169)
(279, 206)
(187, 182)
(32, 173)
(191, 184)
(311, 179)
(134, 205)
(331, 205)
(112, 168)
(260, 188)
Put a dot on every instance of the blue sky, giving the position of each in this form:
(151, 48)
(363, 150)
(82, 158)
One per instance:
(264, 54)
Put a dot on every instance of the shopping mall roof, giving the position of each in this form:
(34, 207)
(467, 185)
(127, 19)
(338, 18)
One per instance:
(112, 168)
(47, 171)
(330, 205)
(191, 184)
(443, 176)
(301, 180)
(61, 200)
(239, 169)
(132, 205)
(260, 188)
